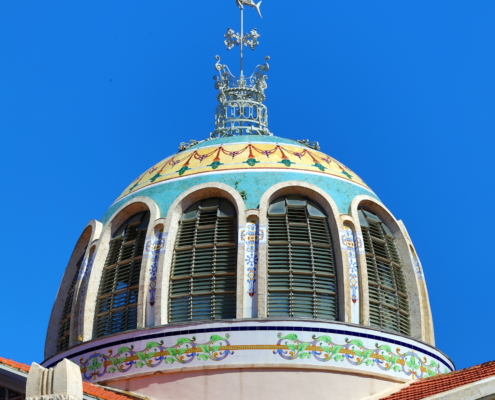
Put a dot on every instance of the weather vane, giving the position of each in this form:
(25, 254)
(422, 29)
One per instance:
(240, 110)
(243, 39)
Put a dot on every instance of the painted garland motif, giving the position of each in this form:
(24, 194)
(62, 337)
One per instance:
(355, 353)
(179, 166)
(154, 354)
(289, 347)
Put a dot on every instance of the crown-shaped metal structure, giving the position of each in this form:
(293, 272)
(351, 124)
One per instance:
(241, 110)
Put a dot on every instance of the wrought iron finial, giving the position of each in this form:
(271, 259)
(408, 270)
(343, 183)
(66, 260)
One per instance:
(233, 38)
(241, 39)
(241, 110)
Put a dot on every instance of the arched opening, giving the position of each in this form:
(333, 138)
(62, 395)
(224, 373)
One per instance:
(302, 279)
(203, 278)
(116, 304)
(388, 298)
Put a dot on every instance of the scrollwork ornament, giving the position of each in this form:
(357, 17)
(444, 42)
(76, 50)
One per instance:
(241, 110)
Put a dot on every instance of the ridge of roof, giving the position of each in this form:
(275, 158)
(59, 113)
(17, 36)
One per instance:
(430, 386)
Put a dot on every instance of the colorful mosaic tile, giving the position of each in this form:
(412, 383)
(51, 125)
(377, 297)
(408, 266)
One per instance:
(349, 246)
(239, 156)
(154, 248)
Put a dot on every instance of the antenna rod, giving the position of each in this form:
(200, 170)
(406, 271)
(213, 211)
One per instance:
(242, 41)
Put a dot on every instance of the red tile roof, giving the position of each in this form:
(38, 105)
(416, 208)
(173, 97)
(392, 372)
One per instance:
(14, 364)
(426, 387)
(88, 388)
(101, 393)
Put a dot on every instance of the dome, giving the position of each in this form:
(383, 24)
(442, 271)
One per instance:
(244, 253)
(251, 164)
(249, 259)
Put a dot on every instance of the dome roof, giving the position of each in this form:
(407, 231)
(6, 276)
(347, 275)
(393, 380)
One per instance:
(233, 159)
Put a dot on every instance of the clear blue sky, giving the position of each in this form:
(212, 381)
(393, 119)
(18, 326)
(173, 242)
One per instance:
(403, 92)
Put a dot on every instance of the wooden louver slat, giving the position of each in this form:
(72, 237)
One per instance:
(64, 330)
(116, 305)
(301, 270)
(203, 279)
(388, 300)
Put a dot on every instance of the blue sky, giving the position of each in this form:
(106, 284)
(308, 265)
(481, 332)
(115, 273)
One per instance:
(403, 92)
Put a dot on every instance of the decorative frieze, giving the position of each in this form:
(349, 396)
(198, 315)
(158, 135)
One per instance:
(258, 343)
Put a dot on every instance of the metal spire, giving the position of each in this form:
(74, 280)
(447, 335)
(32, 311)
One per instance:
(240, 39)
(241, 110)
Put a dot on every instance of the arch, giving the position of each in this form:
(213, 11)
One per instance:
(128, 209)
(61, 318)
(330, 208)
(400, 241)
(175, 212)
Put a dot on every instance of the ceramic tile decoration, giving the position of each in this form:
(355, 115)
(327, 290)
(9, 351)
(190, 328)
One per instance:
(250, 238)
(349, 245)
(270, 342)
(155, 246)
(239, 156)
(359, 243)
(262, 235)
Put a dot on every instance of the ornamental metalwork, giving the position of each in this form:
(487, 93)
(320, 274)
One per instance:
(241, 110)
(233, 38)
(184, 145)
(312, 145)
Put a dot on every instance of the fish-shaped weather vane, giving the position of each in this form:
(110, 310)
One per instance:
(249, 3)
(242, 39)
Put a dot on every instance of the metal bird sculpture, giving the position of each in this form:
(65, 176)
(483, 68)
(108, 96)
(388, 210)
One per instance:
(250, 3)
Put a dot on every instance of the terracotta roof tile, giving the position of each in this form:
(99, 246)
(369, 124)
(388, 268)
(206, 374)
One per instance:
(98, 391)
(14, 364)
(426, 387)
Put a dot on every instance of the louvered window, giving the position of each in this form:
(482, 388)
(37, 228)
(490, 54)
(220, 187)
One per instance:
(203, 281)
(116, 306)
(64, 330)
(388, 303)
(301, 269)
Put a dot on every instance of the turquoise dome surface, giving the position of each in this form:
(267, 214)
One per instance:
(249, 164)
